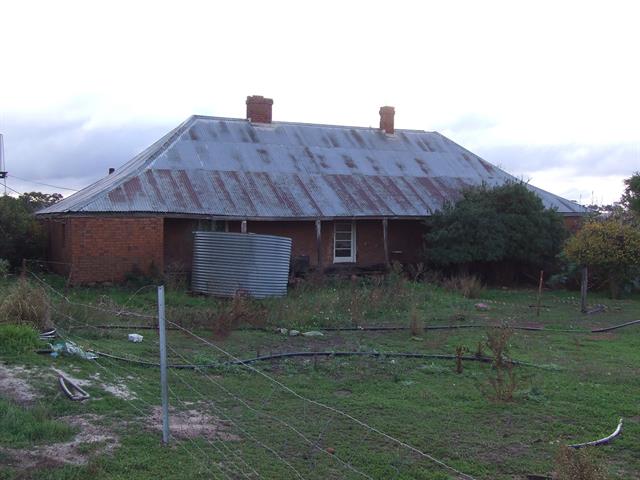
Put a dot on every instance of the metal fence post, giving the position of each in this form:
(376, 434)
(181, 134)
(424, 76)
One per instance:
(164, 387)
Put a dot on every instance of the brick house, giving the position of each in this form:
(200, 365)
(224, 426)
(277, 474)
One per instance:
(347, 196)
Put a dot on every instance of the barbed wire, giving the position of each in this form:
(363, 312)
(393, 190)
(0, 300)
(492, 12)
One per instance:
(143, 388)
(116, 377)
(120, 312)
(325, 406)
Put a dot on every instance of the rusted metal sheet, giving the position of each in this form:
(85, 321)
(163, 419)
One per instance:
(229, 264)
(231, 168)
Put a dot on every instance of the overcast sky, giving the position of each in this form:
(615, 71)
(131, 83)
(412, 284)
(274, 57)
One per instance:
(548, 91)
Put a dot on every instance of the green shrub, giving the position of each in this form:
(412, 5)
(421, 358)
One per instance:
(610, 247)
(22, 236)
(506, 225)
(16, 339)
(4, 267)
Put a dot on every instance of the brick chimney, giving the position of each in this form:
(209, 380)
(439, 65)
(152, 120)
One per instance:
(259, 109)
(386, 119)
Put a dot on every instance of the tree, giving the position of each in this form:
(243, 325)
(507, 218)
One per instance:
(35, 201)
(609, 246)
(507, 224)
(631, 196)
(20, 234)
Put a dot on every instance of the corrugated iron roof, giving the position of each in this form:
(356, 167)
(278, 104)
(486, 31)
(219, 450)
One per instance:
(224, 167)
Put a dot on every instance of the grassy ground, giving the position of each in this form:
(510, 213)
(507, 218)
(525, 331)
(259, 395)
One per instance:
(583, 384)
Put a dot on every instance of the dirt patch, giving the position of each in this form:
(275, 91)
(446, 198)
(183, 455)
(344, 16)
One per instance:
(14, 386)
(194, 424)
(119, 390)
(92, 440)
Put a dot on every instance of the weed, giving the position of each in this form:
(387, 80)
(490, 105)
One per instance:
(239, 310)
(479, 350)
(572, 464)
(460, 351)
(356, 302)
(416, 271)
(469, 286)
(503, 378)
(396, 282)
(26, 303)
(17, 339)
(175, 276)
(415, 324)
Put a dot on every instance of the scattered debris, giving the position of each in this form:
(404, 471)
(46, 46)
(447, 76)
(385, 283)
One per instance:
(193, 424)
(602, 441)
(313, 333)
(119, 390)
(71, 348)
(483, 307)
(77, 381)
(72, 390)
(135, 337)
(49, 334)
(597, 309)
(295, 333)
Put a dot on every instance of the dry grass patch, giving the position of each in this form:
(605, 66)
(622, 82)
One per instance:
(26, 304)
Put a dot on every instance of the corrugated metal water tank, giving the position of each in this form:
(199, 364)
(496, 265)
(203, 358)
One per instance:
(227, 263)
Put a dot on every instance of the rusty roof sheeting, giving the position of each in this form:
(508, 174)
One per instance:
(223, 167)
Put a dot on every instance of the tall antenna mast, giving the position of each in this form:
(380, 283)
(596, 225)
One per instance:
(3, 170)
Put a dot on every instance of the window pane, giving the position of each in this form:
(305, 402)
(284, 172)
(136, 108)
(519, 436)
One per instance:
(343, 236)
(343, 227)
(342, 244)
(343, 253)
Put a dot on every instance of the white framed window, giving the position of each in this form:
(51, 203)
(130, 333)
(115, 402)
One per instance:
(344, 242)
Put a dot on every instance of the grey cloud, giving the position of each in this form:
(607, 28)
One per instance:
(584, 160)
(65, 153)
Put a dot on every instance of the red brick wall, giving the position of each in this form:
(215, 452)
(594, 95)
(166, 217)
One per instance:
(105, 249)
(178, 243)
(404, 237)
(59, 248)
(406, 240)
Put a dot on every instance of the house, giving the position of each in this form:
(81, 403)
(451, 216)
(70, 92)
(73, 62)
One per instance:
(346, 196)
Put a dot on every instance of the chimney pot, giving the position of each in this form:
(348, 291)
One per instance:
(259, 109)
(111, 170)
(387, 119)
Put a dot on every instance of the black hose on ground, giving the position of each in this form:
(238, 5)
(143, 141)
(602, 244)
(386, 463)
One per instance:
(391, 328)
(615, 327)
(278, 356)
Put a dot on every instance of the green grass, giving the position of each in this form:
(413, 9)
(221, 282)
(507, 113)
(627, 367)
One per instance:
(24, 427)
(589, 382)
(17, 339)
